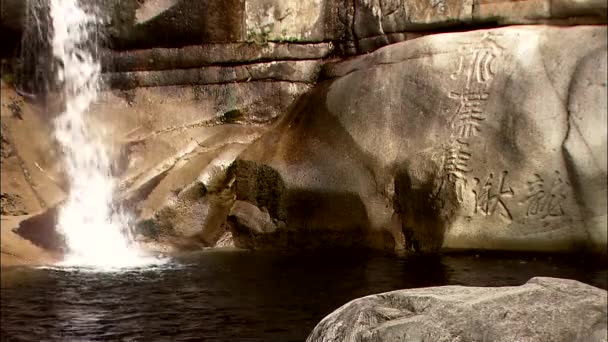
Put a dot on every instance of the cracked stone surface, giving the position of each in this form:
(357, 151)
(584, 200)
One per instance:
(543, 309)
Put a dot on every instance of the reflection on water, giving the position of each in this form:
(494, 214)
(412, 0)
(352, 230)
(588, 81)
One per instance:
(239, 295)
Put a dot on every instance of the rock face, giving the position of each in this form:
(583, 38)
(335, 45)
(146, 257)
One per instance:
(382, 22)
(476, 140)
(173, 146)
(355, 26)
(15, 250)
(31, 172)
(543, 309)
(480, 139)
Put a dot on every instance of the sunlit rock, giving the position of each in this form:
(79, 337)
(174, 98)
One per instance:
(17, 250)
(452, 141)
(543, 309)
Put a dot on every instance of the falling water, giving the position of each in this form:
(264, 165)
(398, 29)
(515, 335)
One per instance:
(97, 233)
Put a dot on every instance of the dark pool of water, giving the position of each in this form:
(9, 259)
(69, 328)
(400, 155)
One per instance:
(239, 295)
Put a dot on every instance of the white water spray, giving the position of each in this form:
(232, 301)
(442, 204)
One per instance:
(97, 233)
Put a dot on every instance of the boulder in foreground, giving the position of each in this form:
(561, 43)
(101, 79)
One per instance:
(543, 309)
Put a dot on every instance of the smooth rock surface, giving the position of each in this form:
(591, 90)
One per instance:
(31, 167)
(171, 148)
(18, 251)
(543, 309)
(450, 141)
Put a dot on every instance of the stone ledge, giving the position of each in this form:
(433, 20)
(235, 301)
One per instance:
(205, 55)
(290, 71)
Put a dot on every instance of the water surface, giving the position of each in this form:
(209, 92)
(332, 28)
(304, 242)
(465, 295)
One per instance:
(242, 295)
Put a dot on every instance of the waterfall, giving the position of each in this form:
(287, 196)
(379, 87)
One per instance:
(96, 231)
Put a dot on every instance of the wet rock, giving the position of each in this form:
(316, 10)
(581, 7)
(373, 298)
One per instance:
(543, 309)
(452, 141)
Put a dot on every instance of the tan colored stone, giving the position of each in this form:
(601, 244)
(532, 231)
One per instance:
(17, 251)
(512, 11)
(152, 8)
(32, 170)
(378, 21)
(209, 54)
(287, 71)
(284, 20)
(250, 217)
(461, 135)
(543, 309)
(163, 141)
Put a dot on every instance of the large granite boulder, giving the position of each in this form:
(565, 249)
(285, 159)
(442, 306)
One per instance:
(543, 309)
(477, 140)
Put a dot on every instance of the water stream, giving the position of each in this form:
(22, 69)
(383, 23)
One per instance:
(96, 230)
(233, 295)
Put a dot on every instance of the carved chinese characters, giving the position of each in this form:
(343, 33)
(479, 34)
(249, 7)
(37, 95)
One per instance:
(490, 195)
(492, 192)
(545, 198)
(474, 75)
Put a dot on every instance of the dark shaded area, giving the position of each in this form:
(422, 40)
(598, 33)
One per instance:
(260, 185)
(12, 13)
(33, 69)
(186, 23)
(243, 296)
(303, 229)
(425, 210)
(326, 208)
(41, 231)
(305, 217)
(330, 210)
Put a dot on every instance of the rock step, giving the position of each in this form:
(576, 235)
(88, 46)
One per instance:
(208, 54)
(291, 71)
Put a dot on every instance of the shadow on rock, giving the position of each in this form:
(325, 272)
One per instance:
(41, 231)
